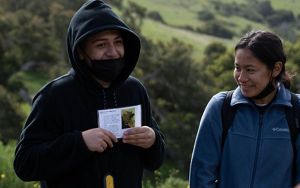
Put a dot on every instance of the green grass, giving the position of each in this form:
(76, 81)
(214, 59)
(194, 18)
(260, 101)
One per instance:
(8, 178)
(33, 81)
(178, 13)
(293, 5)
(175, 12)
(26, 108)
(160, 32)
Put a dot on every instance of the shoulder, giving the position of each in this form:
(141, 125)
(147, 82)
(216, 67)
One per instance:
(295, 99)
(57, 86)
(216, 101)
(285, 97)
(133, 83)
(219, 97)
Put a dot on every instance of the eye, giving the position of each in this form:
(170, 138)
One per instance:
(119, 42)
(251, 71)
(100, 45)
(237, 68)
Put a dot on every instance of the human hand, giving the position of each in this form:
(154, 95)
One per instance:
(98, 139)
(140, 136)
(297, 186)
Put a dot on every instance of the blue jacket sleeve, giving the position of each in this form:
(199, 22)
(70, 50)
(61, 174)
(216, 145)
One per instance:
(297, 145)
(206, 153)
(297, 179)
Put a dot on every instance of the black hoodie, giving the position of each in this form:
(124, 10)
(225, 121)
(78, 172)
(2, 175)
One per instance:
(51, 148)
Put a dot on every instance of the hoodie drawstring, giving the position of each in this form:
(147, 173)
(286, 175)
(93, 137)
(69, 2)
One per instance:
(105, 101)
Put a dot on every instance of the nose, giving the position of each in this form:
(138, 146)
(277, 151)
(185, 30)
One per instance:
(242, 76)
(112, 51)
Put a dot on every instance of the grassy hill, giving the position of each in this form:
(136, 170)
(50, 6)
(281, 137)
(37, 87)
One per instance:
(180, 20)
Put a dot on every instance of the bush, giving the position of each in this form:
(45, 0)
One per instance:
(216, 28)
(11, 116)
(156, 16)
(205, 15)
(279, 17)
(8, 179)
(172, 180)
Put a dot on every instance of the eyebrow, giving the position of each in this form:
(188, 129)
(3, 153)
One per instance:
(103, 39)
(245, 66)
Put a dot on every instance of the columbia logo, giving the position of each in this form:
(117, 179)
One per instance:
(280, 130)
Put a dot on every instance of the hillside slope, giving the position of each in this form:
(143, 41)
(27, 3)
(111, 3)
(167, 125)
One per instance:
(181, 19)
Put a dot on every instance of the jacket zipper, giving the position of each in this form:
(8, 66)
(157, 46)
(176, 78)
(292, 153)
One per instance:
(257, 149)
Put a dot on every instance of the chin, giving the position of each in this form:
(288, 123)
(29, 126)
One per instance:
(247, 93)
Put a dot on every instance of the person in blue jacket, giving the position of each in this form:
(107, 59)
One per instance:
(257, 151)
(62, 144)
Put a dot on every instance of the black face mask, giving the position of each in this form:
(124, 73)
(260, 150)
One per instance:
(266, 91)
(106, 70)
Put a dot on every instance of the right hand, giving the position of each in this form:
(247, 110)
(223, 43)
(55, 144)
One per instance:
(98, 139)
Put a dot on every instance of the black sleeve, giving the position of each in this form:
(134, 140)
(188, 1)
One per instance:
(44, 151)
(154, 156)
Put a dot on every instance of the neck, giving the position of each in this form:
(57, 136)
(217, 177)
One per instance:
(265, 100)
(103, 84)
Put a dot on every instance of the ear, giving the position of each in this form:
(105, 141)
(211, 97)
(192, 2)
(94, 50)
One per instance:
(80, 53)
(277, 69)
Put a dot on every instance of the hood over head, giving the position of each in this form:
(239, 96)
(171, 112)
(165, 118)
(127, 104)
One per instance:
(96, 16)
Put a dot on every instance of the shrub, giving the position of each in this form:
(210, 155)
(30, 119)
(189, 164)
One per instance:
(8, 179)
(170, 180)
(216, 28)
(205, 15)
(156, 16)
(11, 116)
(280, 16)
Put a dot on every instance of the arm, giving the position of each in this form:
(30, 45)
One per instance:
(148, 137)
(45, 151)
(152, 142)
(296, 179)
(206, 154)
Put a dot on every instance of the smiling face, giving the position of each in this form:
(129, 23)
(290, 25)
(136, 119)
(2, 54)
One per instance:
(252, 75)
(104, 45)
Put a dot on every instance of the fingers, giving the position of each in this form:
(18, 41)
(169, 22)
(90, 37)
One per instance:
(141, 136)
(98, 139)
(108, 137)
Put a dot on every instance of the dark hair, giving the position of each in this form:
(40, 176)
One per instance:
(268, 48)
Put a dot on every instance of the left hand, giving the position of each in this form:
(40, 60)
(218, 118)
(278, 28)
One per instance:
(140, 136)
(297, 186)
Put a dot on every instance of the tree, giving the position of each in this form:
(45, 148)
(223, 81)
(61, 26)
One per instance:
(219, 64)
(178, 91)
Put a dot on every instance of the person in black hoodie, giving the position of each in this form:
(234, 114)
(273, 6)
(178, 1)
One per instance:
(61, 144)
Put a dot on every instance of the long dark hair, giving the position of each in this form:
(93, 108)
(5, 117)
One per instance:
(268, 48)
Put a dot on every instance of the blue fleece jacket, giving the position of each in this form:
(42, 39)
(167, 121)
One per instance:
(257, 152)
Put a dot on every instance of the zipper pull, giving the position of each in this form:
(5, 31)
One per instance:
(109, 181)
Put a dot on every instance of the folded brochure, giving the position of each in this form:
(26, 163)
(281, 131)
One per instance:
(117, 120)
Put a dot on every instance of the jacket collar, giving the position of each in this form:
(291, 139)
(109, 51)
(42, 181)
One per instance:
(283, 97)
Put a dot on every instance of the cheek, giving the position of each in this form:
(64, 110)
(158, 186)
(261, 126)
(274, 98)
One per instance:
(261, 81)
(235, 75)
(96, 54)
(121, 51)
